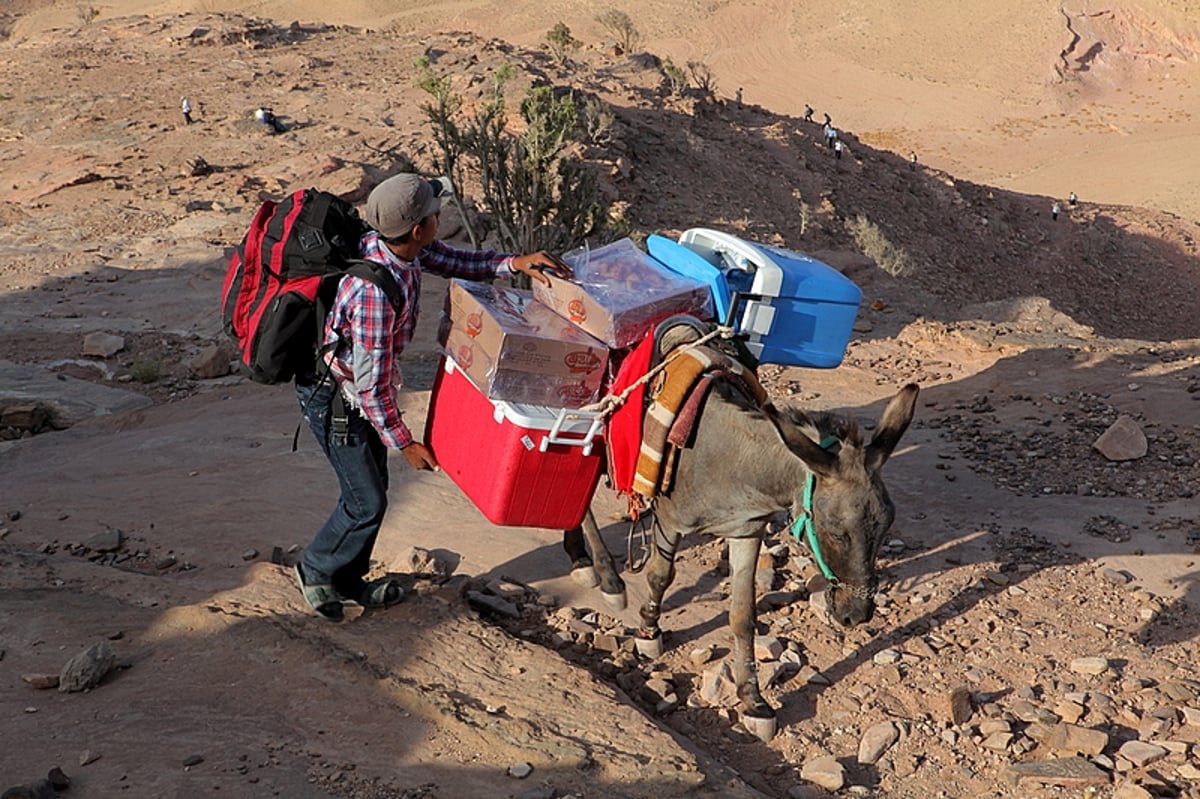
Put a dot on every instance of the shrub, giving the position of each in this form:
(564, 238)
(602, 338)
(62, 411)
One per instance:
(874, 244)
(620, 27)
(676, 78)
(561, 42)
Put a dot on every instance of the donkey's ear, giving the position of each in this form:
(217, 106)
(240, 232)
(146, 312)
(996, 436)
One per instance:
(817, 458)
(892, 424)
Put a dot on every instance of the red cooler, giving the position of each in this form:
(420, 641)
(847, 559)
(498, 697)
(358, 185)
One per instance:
(521, 465)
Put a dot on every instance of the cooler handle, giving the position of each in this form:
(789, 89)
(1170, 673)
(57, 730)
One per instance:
(554, 435)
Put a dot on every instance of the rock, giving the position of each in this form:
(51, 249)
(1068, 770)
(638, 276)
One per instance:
(886, 656)
(494, 604)
(193, 760)
(87, 669)
(1069, 772)
(877, 740)
(42, 789)
(211, 362)
(58, 779)
(956, 706)
(520, 770)
(87, 757)
(423, 563)
(250, 554)
(1131, 791)
(1089, 665)
(767, 647)
(1116, 576)
(102, 345)
(824, 771)
(108, 541)
(701, 655)
(1122, 441)
(1069, 739)
(1140, 753)
(997, 741)
(40, 681)
(717, 687)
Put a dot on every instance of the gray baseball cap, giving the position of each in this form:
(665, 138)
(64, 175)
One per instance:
(397, 204)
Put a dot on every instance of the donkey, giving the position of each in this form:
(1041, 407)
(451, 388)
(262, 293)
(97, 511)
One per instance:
(746, 466)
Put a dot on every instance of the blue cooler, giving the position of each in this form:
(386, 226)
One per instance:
(791, 309)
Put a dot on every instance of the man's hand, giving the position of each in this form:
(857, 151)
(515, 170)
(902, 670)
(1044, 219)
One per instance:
(420, 458)
(537, 264)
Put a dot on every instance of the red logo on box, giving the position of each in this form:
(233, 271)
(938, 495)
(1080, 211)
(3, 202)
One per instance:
(584, 361)
(575, 392)
(474, 324)
(576, 311)
(465, 356)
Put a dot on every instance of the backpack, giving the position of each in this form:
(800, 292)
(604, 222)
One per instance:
(281, 281)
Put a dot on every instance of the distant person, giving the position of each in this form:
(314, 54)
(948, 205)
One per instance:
(185, 105)
(1054, 209)
(1073, 198)
(268, 118)
(737, 97)
(831, 137)
(808, 112)
(837, 149)
(828, 121)
(912, 163)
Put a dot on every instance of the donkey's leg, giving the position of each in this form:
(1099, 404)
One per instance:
(582, 570)
(759, 717)
(612, 587)
(660, 573)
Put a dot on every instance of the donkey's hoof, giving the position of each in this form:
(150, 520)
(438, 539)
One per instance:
(615, 601)
(762, 729)
(587, 576)
(649, 647)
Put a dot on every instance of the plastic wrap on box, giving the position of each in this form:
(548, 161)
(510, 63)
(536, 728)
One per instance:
(620, 293)
(518, 350)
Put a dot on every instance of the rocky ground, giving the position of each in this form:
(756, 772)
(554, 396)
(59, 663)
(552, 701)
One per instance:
(1036, 634)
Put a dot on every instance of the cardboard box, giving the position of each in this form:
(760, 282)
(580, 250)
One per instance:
(620, 293)
(518, 350)
(520, 465)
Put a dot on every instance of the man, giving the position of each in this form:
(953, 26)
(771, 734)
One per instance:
(350, 403)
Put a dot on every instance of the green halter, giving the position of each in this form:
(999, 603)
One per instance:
(803, 528)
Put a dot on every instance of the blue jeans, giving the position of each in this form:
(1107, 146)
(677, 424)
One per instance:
(340, 553)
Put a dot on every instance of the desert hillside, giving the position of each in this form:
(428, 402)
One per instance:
(1035, 632)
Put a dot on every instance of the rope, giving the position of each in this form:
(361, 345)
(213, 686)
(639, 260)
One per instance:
(609, 403)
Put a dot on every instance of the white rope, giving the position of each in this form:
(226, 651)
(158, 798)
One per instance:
(609, 403)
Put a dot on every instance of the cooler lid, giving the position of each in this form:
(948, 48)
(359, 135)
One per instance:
(689, 263)
(776, 272)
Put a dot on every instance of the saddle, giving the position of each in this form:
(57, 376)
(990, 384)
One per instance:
(657, 420)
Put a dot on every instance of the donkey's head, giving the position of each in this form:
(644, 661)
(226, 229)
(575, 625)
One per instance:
(843, 510)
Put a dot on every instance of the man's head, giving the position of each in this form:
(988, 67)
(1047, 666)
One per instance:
(400, 203)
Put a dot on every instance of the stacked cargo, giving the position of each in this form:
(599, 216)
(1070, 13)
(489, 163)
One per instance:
(506, 418)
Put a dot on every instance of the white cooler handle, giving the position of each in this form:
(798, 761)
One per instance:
(554, 436)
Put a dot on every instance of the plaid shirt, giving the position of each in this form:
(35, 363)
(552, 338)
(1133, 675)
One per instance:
(371, 334)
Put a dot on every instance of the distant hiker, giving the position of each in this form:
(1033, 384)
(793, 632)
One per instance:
(808, 112)
(268, 118)
(737, 97)
(349, 397)
(186, 106)
(1073, 198)
(831, 137)
(837, 149)
(912, 163)
(828, 121)
(1054, 209)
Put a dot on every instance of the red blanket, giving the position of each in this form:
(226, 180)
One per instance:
(624, 434)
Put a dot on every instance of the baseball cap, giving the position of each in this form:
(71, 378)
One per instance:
(397, 204)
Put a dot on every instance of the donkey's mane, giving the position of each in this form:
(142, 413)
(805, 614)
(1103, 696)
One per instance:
(818, 426)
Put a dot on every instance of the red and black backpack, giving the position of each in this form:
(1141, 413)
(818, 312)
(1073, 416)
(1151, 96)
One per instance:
(281, 281)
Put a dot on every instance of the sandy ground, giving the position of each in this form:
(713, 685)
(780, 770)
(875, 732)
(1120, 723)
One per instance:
(1020, 548)
(1036, 96)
